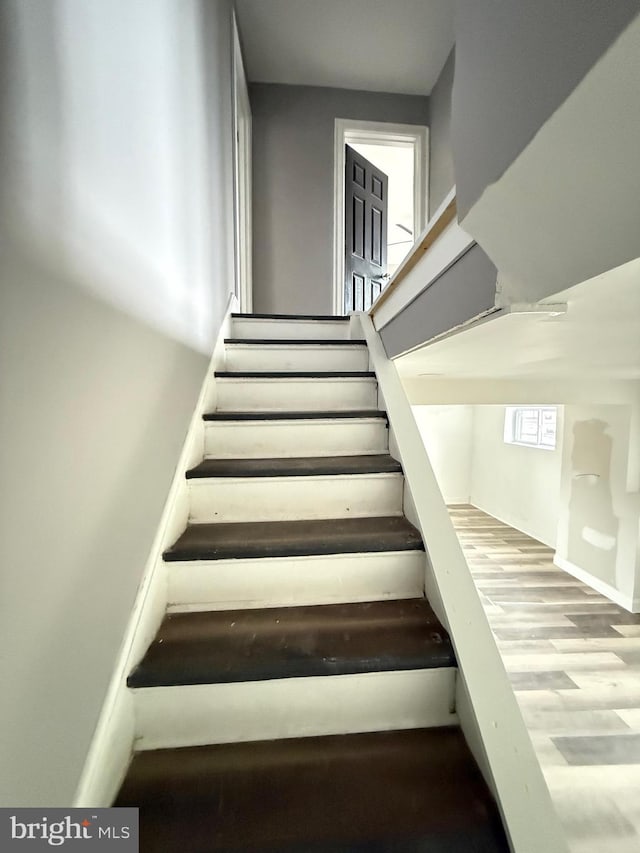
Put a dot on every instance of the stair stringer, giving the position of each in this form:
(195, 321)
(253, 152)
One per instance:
(112, 744)
(488, 711)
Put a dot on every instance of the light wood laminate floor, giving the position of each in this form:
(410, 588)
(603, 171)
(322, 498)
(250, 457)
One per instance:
(573, 658)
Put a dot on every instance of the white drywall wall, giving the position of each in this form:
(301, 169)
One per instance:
(115, 156)
(600, 509)
(447, 434)
(518, 485)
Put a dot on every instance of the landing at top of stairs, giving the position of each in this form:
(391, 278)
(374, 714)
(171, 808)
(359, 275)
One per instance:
(295, 374)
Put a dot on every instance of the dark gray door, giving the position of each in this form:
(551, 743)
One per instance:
(365, 232)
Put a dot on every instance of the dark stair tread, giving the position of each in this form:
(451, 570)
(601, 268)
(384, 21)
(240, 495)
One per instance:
(337, 318)
(295, 374)
(251, 539)
(352, 414)
(213, 647)
(415, 791)
(297, 466)
(328, 342)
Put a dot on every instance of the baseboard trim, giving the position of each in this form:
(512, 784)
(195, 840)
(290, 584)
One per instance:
(113, 739)
(610, 592)
(515, 526)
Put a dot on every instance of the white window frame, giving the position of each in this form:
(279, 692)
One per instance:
(513, 434)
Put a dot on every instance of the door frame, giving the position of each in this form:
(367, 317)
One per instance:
(242, 164)
(349, 131)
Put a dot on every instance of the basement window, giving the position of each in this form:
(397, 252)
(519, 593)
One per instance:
(533, 426)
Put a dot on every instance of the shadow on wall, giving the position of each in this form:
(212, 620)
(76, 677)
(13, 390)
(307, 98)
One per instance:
(115, 160)
(113, 145)
(593, 527)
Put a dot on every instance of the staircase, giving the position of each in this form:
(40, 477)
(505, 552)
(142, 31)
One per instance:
(299, 694)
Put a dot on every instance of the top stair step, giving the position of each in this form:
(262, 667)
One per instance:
(295, 342)
(281, 326)
(293, 317)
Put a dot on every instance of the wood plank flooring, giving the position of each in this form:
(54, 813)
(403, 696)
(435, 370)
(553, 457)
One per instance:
(573, 658)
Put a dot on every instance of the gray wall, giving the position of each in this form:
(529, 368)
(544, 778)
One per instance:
(293, 138)
(515, 64)
(461, 292)
(441, 173)
(116, 264)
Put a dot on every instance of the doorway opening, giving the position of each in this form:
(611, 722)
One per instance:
(400, 152)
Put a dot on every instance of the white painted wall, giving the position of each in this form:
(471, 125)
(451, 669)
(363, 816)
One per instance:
(540, 491)
(518, 485)
(600, 501)
(447, 435)
(115, 159)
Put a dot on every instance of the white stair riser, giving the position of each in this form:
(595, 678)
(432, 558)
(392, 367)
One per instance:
(290, 329)
(266, 358)
(293, 707)
(293, 498)
(290, 581)
(270, 439)
(296, 395)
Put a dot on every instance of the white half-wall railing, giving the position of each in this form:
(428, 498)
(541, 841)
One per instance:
(113, 740)
(441, 243)
(487, 707)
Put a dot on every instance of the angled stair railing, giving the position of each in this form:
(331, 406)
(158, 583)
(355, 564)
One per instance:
(485, 702)
(445, 284)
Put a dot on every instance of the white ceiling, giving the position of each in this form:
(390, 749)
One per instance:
(376, 45)
(598, 336)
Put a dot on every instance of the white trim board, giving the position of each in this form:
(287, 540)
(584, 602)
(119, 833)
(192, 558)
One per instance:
(610, 592)
(242, 189)
(112, 743)
(448, 248)
(491, 720)
(348, 131)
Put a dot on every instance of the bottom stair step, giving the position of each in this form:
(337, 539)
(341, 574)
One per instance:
(408, 792)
